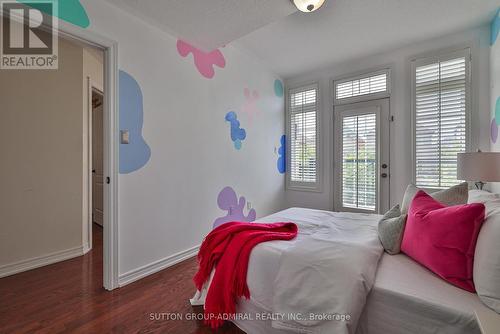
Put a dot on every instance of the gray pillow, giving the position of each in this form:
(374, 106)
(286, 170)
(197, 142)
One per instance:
(455, 195)
(390, 230)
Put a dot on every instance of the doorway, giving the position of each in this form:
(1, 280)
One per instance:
(362, 176)
(97, 157)
(51, 159)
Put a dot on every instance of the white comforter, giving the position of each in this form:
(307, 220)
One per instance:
(326, 272)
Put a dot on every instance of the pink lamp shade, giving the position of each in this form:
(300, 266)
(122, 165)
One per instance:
(479, 166)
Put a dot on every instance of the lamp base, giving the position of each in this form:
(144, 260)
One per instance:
(480, 185)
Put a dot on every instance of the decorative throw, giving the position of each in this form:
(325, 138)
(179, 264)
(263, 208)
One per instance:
(443, 239)
(390, 230)
(228, 249)
(455, 195)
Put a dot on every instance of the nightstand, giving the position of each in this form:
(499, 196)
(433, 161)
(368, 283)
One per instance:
(488, 320)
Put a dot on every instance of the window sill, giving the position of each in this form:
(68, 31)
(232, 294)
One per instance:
(316, 188)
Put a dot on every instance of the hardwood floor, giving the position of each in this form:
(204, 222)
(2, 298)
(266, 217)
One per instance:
(68, 297)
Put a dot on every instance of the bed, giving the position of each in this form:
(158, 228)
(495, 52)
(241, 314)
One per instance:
(405, 297)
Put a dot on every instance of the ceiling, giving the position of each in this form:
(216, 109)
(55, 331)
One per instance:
(208, 24)
(351, 29)
(291, 42)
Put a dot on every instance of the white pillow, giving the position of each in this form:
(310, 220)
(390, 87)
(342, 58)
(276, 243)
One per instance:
(487, 256)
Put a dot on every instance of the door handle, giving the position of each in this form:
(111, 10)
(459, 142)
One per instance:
(93, 171)
(384, 166)
(384, 175)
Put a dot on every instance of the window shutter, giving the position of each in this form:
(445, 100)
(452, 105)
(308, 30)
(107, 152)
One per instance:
(303, 115)
(371, 85)
(359, 161)
(441, 109)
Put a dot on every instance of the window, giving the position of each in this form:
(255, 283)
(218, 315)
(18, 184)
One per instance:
(441, 105)
(302, 110)
(373, 85)
(359, 162)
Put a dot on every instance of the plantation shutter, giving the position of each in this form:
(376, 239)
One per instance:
(303, 115)
(359, 161)
(363, 86)
(441, 109)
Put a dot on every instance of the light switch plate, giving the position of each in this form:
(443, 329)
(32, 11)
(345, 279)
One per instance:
(124, 137)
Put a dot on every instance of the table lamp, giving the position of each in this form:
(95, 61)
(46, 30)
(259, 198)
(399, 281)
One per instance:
(479, 167)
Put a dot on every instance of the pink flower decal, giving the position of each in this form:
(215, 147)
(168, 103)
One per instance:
(250, 106)
(204, 61)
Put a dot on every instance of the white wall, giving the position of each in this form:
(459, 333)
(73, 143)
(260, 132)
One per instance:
(169, 205)
(41, 166)
(399, 62)
(495, 89)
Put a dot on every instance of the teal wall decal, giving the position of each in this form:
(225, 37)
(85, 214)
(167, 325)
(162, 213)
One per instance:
(495, 27)
(278, 88)
(70, 11)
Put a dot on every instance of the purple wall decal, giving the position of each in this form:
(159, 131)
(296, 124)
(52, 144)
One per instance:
(228, 201)
(204, 61)
(494, 131)
(497, 111)
(250, 105)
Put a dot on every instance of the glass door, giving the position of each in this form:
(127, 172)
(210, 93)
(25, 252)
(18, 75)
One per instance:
(362, 157)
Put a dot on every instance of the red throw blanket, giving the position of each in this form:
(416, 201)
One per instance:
(228, 247)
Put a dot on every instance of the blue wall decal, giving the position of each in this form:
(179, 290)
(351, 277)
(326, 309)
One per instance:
(497, 111)
(136, 154)
(70, 11)
(228, 201)
(282, 155)
(237, 134)
(278, 88)
(495, 27)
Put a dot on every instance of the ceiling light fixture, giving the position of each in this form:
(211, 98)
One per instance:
(308, 6)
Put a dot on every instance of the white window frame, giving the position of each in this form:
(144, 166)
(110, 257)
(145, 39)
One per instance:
(442, 55)
(296, 185)
(365, 97)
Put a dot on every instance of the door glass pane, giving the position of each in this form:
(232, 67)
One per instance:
(359, 162)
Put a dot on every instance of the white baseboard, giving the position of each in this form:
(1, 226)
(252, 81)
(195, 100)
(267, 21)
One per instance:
(36, 262)
(156, 266)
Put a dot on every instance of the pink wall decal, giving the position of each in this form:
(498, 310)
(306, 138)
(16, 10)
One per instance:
(204, 61)
(494, 131)
(250, 105)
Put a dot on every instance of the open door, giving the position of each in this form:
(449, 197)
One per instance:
(97, 157)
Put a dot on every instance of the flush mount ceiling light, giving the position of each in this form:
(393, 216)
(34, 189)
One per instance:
(308, 6)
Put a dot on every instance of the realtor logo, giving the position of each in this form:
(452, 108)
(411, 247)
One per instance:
(29, 35)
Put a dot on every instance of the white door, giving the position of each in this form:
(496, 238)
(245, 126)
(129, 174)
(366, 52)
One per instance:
(362, 170)
(97, 158)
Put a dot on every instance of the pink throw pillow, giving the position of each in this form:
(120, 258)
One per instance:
(443, 239)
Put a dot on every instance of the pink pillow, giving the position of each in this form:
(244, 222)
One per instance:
(443, 239)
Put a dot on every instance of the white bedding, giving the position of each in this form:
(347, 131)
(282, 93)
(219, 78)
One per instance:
(326, 271)
(406, 298)
(324, 277)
